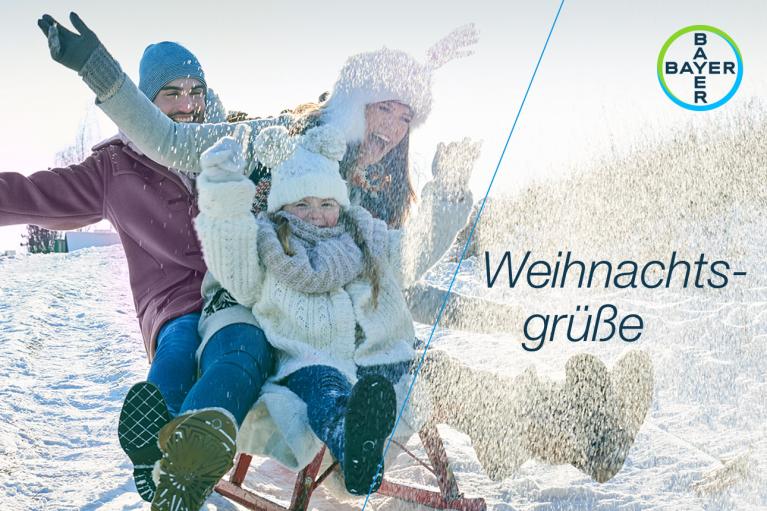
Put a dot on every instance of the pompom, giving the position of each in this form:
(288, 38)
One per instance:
(326, 140)
(273, 145)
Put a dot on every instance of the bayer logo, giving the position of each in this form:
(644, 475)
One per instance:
(700, 67)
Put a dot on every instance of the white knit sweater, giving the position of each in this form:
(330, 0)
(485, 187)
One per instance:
(306, 329)
(318, 328)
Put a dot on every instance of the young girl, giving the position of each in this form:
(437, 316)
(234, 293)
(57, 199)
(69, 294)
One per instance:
(323, 279)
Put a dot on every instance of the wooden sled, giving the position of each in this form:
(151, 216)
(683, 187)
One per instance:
(309, 479)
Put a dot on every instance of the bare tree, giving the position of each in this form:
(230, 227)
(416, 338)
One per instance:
(87, 135)
(43, 241)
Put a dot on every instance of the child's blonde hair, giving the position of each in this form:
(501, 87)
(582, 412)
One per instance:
(370, 271)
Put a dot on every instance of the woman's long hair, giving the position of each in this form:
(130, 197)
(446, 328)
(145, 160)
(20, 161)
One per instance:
(371, 272)
(392, 203)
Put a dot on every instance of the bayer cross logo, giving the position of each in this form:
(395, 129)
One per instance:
(700, 67)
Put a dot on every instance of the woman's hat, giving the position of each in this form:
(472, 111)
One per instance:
(390, 75)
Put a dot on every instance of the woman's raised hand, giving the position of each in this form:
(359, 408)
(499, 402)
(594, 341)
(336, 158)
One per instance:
(453, 164)
(68, 48)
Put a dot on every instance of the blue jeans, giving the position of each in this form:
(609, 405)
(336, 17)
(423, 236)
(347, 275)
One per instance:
(174, 367)
(326, 392)
(233, 367)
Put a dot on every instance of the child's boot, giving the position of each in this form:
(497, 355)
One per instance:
(198, 449)
(143, 414)
(590, 421)
(570, 421)
(370, 416)
(632, 386)
(483, 405)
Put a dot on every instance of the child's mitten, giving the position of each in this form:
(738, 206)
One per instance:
(226, 159)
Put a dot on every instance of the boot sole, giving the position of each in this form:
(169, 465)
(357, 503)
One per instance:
(198, 450)
(143, 415)
(370, 418)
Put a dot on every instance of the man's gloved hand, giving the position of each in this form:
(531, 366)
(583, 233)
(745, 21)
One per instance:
(68, 48)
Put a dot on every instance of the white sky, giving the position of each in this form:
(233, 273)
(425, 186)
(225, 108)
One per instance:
(596, 89)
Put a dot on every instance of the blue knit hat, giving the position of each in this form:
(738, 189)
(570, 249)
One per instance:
(164, 62)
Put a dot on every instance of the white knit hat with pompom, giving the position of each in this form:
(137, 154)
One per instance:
(391, 75)
(303, 166)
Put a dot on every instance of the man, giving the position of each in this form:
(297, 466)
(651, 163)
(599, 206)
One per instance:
(152, 208)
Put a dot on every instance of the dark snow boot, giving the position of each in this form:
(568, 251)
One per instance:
(370, 416)
(143, 414)
(590, 421)
(620, 416)
(198, 449)
(592, 412)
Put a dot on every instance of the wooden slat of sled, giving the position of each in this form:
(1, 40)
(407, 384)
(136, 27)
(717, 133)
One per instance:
(308, 480)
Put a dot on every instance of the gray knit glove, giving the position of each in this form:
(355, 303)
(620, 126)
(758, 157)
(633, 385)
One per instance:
(452, 166)
(83, 53)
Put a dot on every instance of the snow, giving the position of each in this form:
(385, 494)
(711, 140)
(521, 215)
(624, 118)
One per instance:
(71, 349)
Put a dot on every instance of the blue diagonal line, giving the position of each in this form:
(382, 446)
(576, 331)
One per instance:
(466, 246)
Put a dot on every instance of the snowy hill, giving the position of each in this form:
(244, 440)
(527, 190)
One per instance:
(70, 345)
(70, 348)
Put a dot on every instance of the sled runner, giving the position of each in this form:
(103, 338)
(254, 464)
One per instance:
(308, 479)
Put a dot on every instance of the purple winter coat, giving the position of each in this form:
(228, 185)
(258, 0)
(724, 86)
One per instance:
(147, 204)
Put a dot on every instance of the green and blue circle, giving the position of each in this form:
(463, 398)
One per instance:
(677, 35)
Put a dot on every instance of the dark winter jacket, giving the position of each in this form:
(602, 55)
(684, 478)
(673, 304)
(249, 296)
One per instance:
(148, 205)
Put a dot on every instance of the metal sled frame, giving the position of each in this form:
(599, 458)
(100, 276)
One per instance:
(309, 479)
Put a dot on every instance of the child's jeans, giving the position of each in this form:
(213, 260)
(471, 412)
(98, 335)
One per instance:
(234, 365)
(326, 392)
